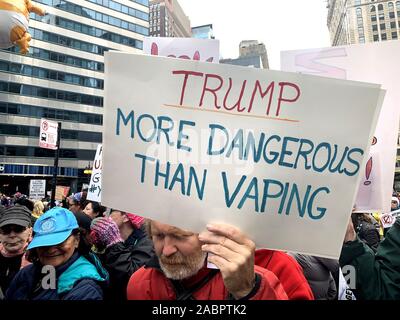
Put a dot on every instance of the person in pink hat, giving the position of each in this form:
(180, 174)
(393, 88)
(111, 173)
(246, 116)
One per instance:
(123, 246)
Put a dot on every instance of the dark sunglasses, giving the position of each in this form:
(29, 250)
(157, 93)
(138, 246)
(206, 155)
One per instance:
(9, 228)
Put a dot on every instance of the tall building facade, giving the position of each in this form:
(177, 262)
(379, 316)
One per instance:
(251, 54)
(62, 79)
(203, 32)
(361, 21)
(167, 19)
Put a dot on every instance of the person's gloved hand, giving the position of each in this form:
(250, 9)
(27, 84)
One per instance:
(104, 232)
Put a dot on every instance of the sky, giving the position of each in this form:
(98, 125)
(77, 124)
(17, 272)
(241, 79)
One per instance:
(279, 24)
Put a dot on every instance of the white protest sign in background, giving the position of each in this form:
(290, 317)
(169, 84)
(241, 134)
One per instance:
(184, 48)
(48, 134)
(253, 148)
(94, 190)
(372, 62)
(37, 189)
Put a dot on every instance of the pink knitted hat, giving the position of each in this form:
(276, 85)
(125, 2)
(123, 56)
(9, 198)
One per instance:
(136, 220)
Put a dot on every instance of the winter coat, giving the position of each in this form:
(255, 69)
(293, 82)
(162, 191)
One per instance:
(319, 273)
(282, 279)
(369, 233)
(122, 259)
(80, 278)
(377, 275)
(288, 272)
(9, 267)
(150, 283)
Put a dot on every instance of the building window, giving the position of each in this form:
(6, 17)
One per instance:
(391, 15)
(383, 36)
(380, 7)
(393, 25)
(357, 2)
(360, 25)
(394, 35)
(374, 27)
(43, 73)
(376, 37)
(383, 26)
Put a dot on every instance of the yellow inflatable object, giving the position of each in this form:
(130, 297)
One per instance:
(14, 19)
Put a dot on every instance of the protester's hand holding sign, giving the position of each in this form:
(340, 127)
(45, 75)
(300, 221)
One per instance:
(233, 253)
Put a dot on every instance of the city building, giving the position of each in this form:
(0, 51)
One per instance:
(167, 19)
(251, 54)
(362, 21)
(203, 32)
(62, 79)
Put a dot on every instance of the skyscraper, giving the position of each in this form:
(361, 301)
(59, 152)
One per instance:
(62, 79)
(360, 21)
(167, 19)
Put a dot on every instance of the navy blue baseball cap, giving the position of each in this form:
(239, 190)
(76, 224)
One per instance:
(53, 227)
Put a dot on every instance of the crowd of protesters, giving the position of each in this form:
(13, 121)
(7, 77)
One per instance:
(80, 250)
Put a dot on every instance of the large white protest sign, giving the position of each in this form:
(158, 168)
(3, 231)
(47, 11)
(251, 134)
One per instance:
(94, 191)
(190, 143)
(184, 48)
(372, 62)
(37, 189)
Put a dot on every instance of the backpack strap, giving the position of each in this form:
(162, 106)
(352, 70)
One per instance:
(183, 293)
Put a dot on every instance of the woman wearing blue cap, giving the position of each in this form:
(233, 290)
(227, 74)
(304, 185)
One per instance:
(63, 267)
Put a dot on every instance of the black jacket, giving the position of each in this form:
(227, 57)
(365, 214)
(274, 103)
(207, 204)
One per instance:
(9, 267)
(122, 259)
(368, 233)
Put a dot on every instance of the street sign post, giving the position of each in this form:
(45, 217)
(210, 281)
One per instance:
(49, 138)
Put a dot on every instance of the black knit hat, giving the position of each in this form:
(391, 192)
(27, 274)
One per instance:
(19, 215)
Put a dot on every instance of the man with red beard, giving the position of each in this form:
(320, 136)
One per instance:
(15, 235)
(179, 270)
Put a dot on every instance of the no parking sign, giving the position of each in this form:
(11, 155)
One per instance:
(48, 134)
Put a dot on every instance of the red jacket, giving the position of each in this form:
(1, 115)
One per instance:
(288, 271)
(284, 279)
(151, 284)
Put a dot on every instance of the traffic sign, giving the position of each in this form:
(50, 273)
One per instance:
(48, 134)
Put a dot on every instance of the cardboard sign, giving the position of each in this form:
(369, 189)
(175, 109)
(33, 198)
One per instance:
(197, 143)
(372, 62)
(61, 192)
(94, 191)
(184, 48)
(37, 189)
(48, 134)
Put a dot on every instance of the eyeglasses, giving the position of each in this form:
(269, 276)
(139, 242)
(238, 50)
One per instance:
(9, 228)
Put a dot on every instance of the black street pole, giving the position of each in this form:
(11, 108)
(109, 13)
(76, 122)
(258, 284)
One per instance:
(54, 181)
